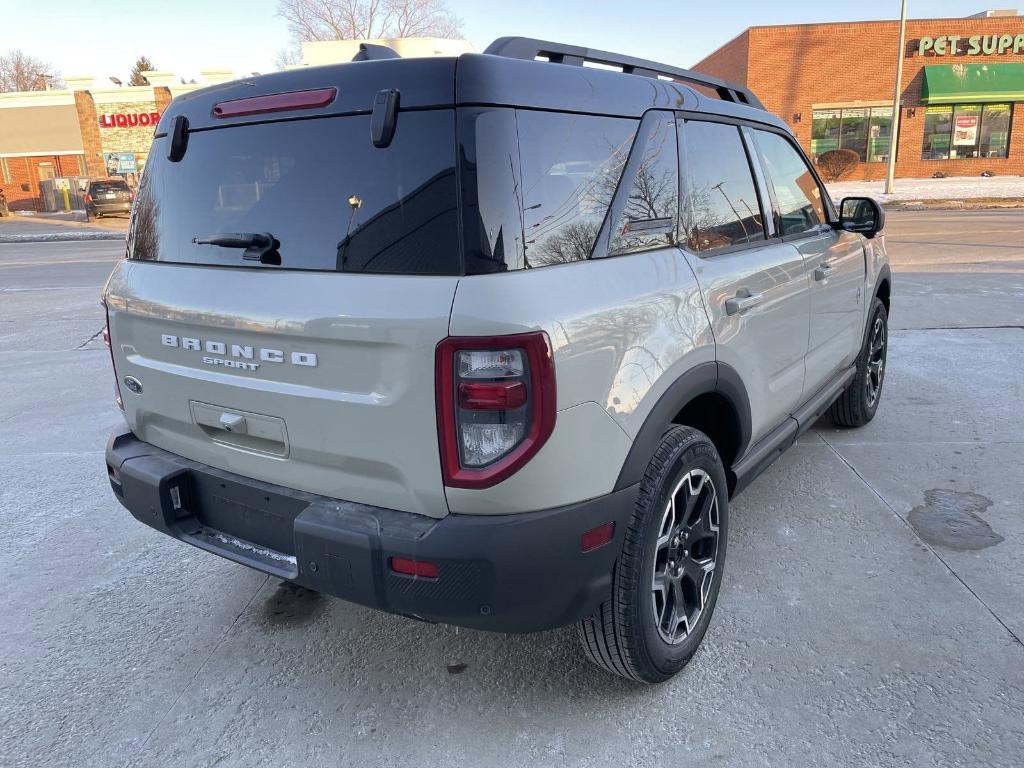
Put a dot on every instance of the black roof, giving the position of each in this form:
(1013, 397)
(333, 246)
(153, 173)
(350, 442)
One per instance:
(507, 75)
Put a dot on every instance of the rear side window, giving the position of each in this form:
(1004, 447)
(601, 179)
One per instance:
(571, 166)
(647, 205)
(319, 187)
(798, 205)
(721, 206)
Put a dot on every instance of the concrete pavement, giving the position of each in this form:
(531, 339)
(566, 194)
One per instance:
(858, 623)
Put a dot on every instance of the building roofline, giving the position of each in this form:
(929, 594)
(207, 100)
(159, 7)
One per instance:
(972, 19)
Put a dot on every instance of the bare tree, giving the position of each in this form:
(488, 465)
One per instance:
(21, 72)
(288, 57)
(368, 19)
(142, 64)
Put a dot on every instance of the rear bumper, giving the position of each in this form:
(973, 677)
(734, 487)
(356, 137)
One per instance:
(508, 573)
(118, 207)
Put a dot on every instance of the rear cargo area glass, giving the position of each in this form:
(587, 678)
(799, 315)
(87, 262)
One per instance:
(318, 186)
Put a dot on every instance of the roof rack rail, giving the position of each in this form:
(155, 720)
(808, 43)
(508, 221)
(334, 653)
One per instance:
(530, 49)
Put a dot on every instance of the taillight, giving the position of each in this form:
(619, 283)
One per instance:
(113, 366)
(495, 405)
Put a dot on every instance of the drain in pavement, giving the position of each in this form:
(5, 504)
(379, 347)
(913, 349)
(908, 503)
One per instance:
(950, 519)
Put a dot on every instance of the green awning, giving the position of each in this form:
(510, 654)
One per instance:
(956, 83)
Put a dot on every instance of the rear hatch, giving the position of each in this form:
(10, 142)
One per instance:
(305, 358)
(110, 192)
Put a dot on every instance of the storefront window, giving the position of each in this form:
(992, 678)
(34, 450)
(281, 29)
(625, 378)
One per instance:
(966, 130)
(938, 126)
(853, 133)
(865, 130)
(879, 134)
(825, 130)
(994, 138)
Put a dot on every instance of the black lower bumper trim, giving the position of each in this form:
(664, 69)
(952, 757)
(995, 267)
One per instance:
(509, 573)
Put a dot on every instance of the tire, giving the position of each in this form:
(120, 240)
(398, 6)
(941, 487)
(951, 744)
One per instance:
(633, 634)
(858, 403)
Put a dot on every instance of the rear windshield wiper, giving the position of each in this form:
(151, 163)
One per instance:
(259, 246)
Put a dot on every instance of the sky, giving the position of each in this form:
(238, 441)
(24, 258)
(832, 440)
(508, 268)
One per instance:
(186, 36)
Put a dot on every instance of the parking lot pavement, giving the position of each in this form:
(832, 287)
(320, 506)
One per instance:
(16, 229)
(871, 612)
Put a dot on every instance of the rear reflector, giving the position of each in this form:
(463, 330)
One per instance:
(597, 537)
(409, 567)
(275, 102)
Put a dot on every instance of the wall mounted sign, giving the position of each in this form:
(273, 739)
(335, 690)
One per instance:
(975, 45)
(129, 119)
(118, 163)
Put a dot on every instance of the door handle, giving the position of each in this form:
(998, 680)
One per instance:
(822, 271)
(739, 304)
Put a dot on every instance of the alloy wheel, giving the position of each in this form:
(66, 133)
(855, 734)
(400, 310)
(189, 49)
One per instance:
(876, 362)
(685, 556)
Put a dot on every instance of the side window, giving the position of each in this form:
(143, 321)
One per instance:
(798, 205)
(571, 166)
(648, 203)
(720, 206)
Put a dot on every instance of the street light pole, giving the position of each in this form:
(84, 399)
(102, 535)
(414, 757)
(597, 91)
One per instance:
(894, 129)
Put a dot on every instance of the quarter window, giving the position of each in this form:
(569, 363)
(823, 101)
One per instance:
(721, 206)
(798, 204)
(571, 166)
(646, 209)
(966, 130)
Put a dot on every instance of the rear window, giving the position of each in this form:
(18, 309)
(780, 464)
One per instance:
(319, 187)
(100, 187)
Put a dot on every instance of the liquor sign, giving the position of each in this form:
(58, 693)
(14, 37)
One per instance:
(965, 131)
(129, 119)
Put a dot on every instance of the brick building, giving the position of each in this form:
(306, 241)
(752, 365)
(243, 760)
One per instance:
(962, 101)
(89, 130)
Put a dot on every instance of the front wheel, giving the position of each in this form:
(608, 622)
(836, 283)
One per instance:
(668, 576)
(858, 403)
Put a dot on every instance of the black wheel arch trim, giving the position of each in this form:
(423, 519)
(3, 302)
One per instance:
(884, 276)
(702, 379)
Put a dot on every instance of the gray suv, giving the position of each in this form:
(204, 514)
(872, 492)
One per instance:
(488, 340)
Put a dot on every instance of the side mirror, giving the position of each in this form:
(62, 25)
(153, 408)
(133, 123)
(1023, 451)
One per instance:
(861, 215)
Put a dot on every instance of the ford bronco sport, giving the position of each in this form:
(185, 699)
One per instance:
(488, 340)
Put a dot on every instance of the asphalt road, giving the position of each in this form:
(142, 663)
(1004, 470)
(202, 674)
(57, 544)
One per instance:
(872, 610)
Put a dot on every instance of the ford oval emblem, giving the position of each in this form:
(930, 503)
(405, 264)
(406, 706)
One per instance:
(133, 384)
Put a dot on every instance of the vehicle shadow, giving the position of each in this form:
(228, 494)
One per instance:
(437, 655)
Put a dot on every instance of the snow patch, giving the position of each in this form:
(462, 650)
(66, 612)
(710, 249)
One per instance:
(951, 188)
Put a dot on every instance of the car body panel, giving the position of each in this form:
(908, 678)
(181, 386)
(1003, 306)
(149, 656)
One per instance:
(835, 261)
(622, 328)
(358, 425)
(766, 344)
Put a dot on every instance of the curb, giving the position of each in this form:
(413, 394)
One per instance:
(978, 204)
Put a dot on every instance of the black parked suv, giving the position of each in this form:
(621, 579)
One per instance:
(107, 196)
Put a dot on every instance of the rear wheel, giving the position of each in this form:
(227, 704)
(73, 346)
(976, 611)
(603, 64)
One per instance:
(668, 575)
(859, 401)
